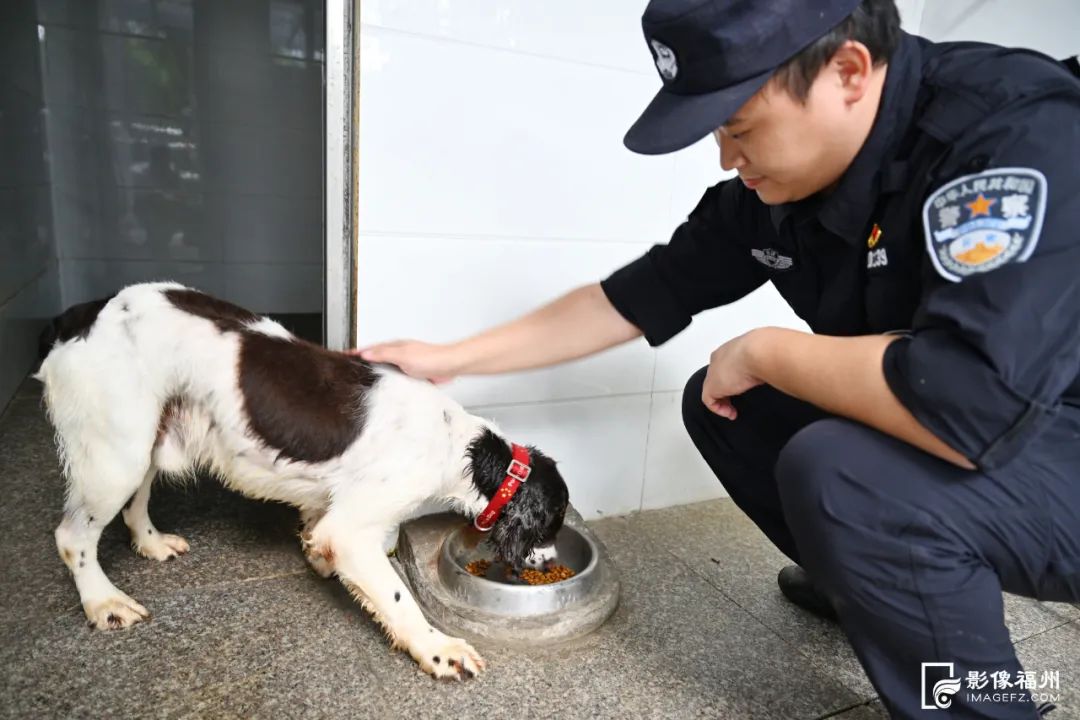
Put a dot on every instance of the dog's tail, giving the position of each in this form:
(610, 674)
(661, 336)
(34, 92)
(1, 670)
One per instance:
(75, 322)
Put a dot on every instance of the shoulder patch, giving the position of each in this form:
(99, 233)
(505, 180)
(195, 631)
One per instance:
(977, 223)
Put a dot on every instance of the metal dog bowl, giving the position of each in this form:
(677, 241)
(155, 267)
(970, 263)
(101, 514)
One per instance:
(492, 593)
(432, 552)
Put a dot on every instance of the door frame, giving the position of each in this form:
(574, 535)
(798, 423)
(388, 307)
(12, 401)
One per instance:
(342, 116)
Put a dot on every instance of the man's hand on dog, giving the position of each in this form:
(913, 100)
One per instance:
(425, 361)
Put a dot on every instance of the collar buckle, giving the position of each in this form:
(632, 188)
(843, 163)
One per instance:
(518, 470)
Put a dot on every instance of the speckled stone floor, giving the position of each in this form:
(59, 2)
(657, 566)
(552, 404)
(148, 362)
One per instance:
(242, 628)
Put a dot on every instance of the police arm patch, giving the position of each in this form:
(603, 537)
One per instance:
(977, 223)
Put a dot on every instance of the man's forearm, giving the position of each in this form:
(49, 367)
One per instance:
(843, 376)
(580, 323)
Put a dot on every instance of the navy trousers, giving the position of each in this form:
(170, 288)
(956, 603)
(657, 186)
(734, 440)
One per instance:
(913, 551)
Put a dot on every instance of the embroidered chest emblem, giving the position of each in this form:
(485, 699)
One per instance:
(977, 223)
(771, 259)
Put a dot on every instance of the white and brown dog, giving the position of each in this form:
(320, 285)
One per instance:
(164, 379)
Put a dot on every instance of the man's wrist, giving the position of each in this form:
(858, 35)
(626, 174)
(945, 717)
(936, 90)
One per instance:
(760, 348)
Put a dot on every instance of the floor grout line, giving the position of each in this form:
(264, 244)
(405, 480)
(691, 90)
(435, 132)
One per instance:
(1046, 630)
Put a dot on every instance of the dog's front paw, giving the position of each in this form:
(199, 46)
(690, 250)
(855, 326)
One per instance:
(113, 613)
(159, 546)
(449, 658)
(318, 562)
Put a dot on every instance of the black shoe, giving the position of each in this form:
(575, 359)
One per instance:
(797, 587)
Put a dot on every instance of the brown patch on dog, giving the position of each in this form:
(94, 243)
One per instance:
(301, 399)
(67, 556)
(225, 315)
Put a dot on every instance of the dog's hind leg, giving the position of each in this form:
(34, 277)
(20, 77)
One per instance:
(147, 540)
(98, 486)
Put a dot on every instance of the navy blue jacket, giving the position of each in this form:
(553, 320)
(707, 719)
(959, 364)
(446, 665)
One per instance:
(957, 224)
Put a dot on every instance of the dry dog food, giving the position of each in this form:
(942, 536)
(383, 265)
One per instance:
(478, 567)
(557, 573)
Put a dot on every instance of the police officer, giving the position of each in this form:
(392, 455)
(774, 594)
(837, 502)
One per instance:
(918, 205)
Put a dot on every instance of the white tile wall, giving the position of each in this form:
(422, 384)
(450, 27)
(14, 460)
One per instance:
(607, 33)
(1050, 26)
(911, 14)
(683, 355)
(696, 168)
(461, 139)
(599, 445)
(674, 471)
(441, 289)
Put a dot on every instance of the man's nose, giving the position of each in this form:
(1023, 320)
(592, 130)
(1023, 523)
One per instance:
(731, 158)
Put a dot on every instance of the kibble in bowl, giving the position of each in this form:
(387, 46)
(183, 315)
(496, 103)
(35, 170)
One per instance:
(554, 574)
(478, 568)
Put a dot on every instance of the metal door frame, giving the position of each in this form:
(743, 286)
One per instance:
(342, 114)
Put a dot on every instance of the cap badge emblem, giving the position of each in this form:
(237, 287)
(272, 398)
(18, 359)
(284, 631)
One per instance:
(665, 60)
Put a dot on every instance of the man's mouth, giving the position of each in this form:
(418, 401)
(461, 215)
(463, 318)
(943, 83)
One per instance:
(751, 182)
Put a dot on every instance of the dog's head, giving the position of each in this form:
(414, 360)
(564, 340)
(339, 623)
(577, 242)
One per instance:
(524, 534)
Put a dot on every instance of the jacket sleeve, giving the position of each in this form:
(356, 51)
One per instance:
(706, 264)
(996, 340)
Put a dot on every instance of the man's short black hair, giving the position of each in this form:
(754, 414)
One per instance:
(875, 23)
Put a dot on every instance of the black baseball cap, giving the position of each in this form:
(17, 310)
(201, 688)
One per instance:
(713, 55)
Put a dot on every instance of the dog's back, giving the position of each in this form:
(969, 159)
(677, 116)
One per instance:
(157, 366)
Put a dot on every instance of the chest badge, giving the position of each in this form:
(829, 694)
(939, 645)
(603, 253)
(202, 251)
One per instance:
(771, 259)
(977, 223)
(875, 235)
(876, 257)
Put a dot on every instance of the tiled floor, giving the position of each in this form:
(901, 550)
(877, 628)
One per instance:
(241, 627)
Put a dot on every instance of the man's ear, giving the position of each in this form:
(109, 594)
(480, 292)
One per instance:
(854, 67)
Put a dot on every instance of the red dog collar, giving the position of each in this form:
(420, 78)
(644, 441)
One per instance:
(517, 473)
